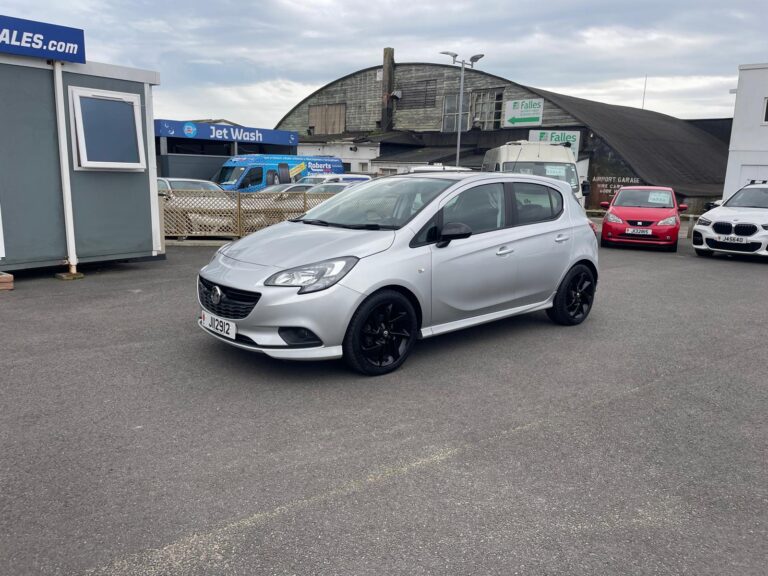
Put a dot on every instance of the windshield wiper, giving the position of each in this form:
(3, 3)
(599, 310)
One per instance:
(368, 226)
(310, 221)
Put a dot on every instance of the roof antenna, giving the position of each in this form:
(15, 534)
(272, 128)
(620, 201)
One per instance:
(645, 84)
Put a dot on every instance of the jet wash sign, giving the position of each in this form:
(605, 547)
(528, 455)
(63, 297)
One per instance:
(224, 133)
(40, 40)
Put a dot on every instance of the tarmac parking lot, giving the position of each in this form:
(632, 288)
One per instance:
(635, 443)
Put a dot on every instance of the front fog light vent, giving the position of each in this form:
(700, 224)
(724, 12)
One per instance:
(299, 337)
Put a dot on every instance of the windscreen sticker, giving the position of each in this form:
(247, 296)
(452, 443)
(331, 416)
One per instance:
(556, 172)
(658, 197)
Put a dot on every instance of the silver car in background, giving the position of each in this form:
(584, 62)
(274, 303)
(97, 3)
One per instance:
(384, 263)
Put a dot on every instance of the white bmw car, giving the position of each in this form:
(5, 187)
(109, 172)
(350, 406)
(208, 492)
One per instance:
(738, 226)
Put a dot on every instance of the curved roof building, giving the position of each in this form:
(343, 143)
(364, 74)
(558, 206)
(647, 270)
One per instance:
(412, 110)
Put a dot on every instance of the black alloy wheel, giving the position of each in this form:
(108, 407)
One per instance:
(381, 334)
(574, 297)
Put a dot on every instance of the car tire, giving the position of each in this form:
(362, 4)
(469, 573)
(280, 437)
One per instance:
(574, 298)
(381, 334)
(672, 247)
(604, 243)
(703, 253)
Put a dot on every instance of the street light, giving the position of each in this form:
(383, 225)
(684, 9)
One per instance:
(471, 63)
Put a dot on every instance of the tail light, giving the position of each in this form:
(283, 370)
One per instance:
(594, 228)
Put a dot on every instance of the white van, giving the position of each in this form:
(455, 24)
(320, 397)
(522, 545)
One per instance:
(328, 178)
(541, 159)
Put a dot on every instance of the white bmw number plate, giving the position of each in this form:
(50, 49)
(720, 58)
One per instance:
(638, 231)
(732, 239)
(219, 325)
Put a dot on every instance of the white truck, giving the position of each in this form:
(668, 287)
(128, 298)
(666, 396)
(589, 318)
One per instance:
(541, 159)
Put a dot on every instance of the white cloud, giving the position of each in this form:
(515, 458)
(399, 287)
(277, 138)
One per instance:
(260, 105)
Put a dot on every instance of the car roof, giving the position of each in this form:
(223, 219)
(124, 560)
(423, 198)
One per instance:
(665, 188)
(176, 179)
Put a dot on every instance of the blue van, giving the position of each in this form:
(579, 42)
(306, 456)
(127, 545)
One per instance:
(252, 172)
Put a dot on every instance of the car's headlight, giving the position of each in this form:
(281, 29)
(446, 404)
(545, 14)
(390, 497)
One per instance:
(765, 226)
(703, 221)
(314, 277)
(611, 217)
(671, 221)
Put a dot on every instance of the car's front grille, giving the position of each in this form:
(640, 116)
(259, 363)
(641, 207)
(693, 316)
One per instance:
(639, 236)
(744, 229)
(733, 246)
(722, 227)
(639, 222)
(234, 304)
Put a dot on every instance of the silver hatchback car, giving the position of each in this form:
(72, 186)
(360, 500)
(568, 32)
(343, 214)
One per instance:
(373, 269)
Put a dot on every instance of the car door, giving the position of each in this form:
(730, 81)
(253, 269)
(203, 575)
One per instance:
(542, 240)
(473, 276)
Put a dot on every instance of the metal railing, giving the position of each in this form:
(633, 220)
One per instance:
(205, 213)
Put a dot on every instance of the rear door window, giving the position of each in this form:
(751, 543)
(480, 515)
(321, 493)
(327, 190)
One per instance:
(535, 203)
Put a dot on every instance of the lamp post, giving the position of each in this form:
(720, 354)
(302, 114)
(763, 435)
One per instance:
(471, 63)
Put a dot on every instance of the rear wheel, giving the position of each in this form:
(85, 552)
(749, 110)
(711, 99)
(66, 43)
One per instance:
(703, 253)
(574, 297)
(381, 334)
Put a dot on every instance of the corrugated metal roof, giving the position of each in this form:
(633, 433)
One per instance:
(662, 150)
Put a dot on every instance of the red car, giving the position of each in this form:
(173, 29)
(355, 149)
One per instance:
(642, 215)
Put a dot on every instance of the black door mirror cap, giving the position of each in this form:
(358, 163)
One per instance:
(453, 231)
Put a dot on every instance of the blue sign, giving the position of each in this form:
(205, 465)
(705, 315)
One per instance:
(40, 40)
(224, 133)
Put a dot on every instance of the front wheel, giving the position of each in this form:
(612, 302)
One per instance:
(381, 334)
(574, 297)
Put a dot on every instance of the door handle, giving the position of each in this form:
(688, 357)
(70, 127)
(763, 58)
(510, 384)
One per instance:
(561, 238)
(504, 250)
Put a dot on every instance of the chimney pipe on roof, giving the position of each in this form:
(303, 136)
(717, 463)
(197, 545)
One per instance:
(387, 86)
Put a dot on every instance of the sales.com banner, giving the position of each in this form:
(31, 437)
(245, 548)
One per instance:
(41, 40)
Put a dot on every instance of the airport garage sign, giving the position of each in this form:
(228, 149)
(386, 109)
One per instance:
(41, 40)
(520, 113)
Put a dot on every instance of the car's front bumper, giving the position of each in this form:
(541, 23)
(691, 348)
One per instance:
(659, 236)
(705, 238)
(325, 313)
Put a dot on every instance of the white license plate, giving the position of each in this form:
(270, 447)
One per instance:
(732, 239)
(638, 231)
(219, 325)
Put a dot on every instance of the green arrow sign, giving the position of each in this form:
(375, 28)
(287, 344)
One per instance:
(527, 120)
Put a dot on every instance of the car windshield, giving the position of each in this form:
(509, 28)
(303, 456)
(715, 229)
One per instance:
(327, 188)
(387, 203)
(275, 188)
(312, 180)
(228, 175)
(192, 185)
(556, 170)
(639, 198)
(749, 198)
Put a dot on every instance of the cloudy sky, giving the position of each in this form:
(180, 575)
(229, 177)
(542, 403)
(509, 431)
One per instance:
(250, 62)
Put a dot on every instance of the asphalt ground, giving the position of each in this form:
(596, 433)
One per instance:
(636, 443)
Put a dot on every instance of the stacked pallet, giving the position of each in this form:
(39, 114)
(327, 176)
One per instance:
(6, 281)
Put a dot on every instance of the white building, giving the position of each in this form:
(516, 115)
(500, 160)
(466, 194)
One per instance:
(748, 152)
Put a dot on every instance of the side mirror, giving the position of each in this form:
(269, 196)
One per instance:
(711, 205)
(605, 205)
(682, 207)
(453, 231)
(586, 188)
(718, 202)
